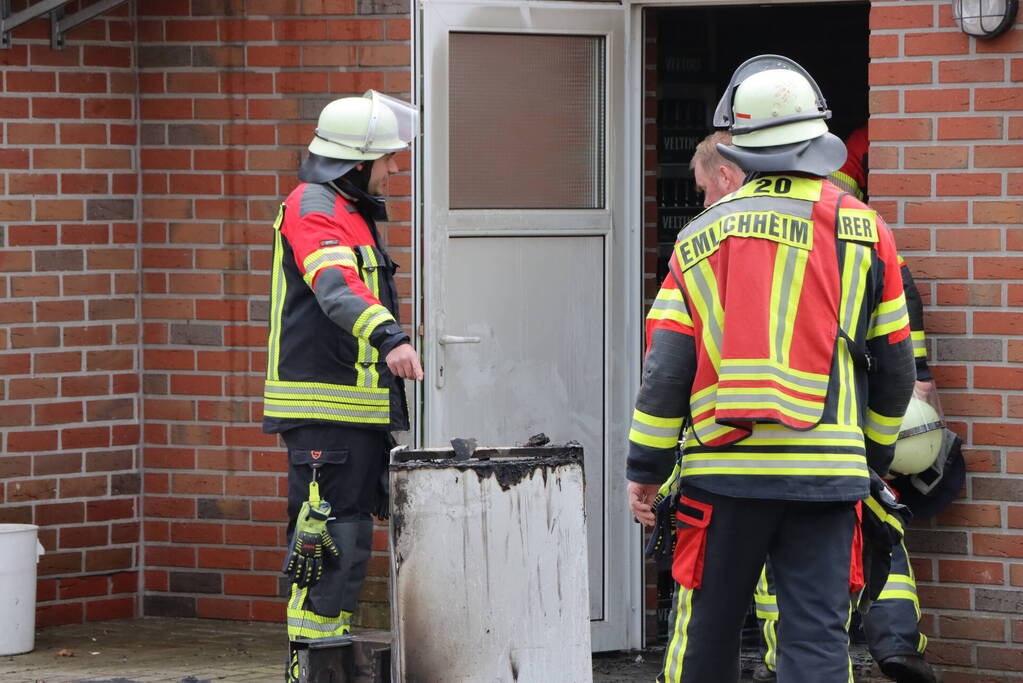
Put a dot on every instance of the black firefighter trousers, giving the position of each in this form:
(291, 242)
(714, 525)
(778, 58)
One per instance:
(722, 545)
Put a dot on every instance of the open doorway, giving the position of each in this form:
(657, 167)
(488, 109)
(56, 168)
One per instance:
(691, 53)
(689, 56)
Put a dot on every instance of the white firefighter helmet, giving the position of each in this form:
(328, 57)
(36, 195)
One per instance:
(919, 441)
(776, 114)
(355, 129)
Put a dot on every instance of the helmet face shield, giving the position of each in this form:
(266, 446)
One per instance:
(381, 136)
(366, 127)
(723, 114)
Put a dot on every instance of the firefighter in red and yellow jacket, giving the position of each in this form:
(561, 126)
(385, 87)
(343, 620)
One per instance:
(336, 359)
(782, 339)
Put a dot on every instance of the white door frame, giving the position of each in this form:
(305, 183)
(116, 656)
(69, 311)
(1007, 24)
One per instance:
(619, 222)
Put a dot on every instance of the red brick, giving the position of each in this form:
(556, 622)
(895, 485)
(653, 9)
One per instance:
(113, 608)
(196, 532)
(273, 55)
(883, 101)
(972, 404)
(998, 99)
(969, 127)
(998, 212)
(250, 584)
(998, 545)
(1002, 658)
(998, 156)
(169, 507)
(59, 613)
(82, 587)
(225, 558)
(997, 434)
(969, 184)
(934, 156)
(58, 413)
(968, 627)
(197, 484)
(971, 571)
(937, 99)
(247, 534)
(969, 239)
(944, 43)
(900, 129)
(222, 608)
(997, 268)
(901, 16)
(900, 184)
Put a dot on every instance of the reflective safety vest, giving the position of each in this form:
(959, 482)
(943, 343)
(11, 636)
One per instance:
(780, 285)
(320, 368)
(852, 177)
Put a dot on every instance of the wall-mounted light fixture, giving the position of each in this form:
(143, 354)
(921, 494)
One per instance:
(984, 18)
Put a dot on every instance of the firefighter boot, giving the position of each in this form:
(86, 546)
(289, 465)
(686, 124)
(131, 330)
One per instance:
(907, 669)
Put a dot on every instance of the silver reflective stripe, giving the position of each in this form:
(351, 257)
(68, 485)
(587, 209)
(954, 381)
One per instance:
(701, 461)
(878, 427)
(326, 392)
(744, 400)
(730, 369)
(800, 208)
(340, 258)
(709, 296)
(278, 409)
(852, 297)
(784, 299)
(888, 318)
(656, 432)
(310, 625)
(796, 435)
(697, 406)
(669, 305)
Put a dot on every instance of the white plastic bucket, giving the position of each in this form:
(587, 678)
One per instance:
(19, 553)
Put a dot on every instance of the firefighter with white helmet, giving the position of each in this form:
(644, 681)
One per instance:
(781, 340)
(336, 358)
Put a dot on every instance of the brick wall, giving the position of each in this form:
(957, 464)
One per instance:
(144, 164)
(69, 332)
(947, 173)
(230, 92)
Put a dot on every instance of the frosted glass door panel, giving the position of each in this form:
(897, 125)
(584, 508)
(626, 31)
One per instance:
(526, 126)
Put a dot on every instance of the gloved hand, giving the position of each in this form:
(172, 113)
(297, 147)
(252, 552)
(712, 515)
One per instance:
(310, 545)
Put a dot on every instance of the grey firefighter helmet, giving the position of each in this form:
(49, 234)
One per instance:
(353, 130)
(776, 114)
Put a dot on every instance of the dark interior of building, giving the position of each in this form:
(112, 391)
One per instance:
(698, 48)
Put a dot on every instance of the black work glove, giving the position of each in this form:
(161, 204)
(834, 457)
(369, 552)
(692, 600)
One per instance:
(310, 545)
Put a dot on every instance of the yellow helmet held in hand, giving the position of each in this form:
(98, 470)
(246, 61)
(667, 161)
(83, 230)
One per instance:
(919, 441)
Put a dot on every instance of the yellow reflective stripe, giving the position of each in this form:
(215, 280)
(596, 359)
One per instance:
(655, 432)
(371, 318)
(324, 258)
(797, 188)
(921, 644)
(708, 430)
(744, 396)
(326, 391)
(883, 515)
(747, 463)
(881, 428)
(919, 343)
(775, 435)
(846, 182)
(318, 400)
(680, 636)
(278, 289)
(307, 624)
(811, 377)
(708, 305)
(890, 316)
(777, 376)
(669, 305)
(324, 412)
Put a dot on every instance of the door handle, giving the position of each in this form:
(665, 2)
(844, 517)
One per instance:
(444, 340)
(454, 339)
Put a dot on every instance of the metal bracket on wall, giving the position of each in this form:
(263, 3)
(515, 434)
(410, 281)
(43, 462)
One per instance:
(59, 23)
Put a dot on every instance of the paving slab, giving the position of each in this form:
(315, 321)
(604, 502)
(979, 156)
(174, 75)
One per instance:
(179, 650)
